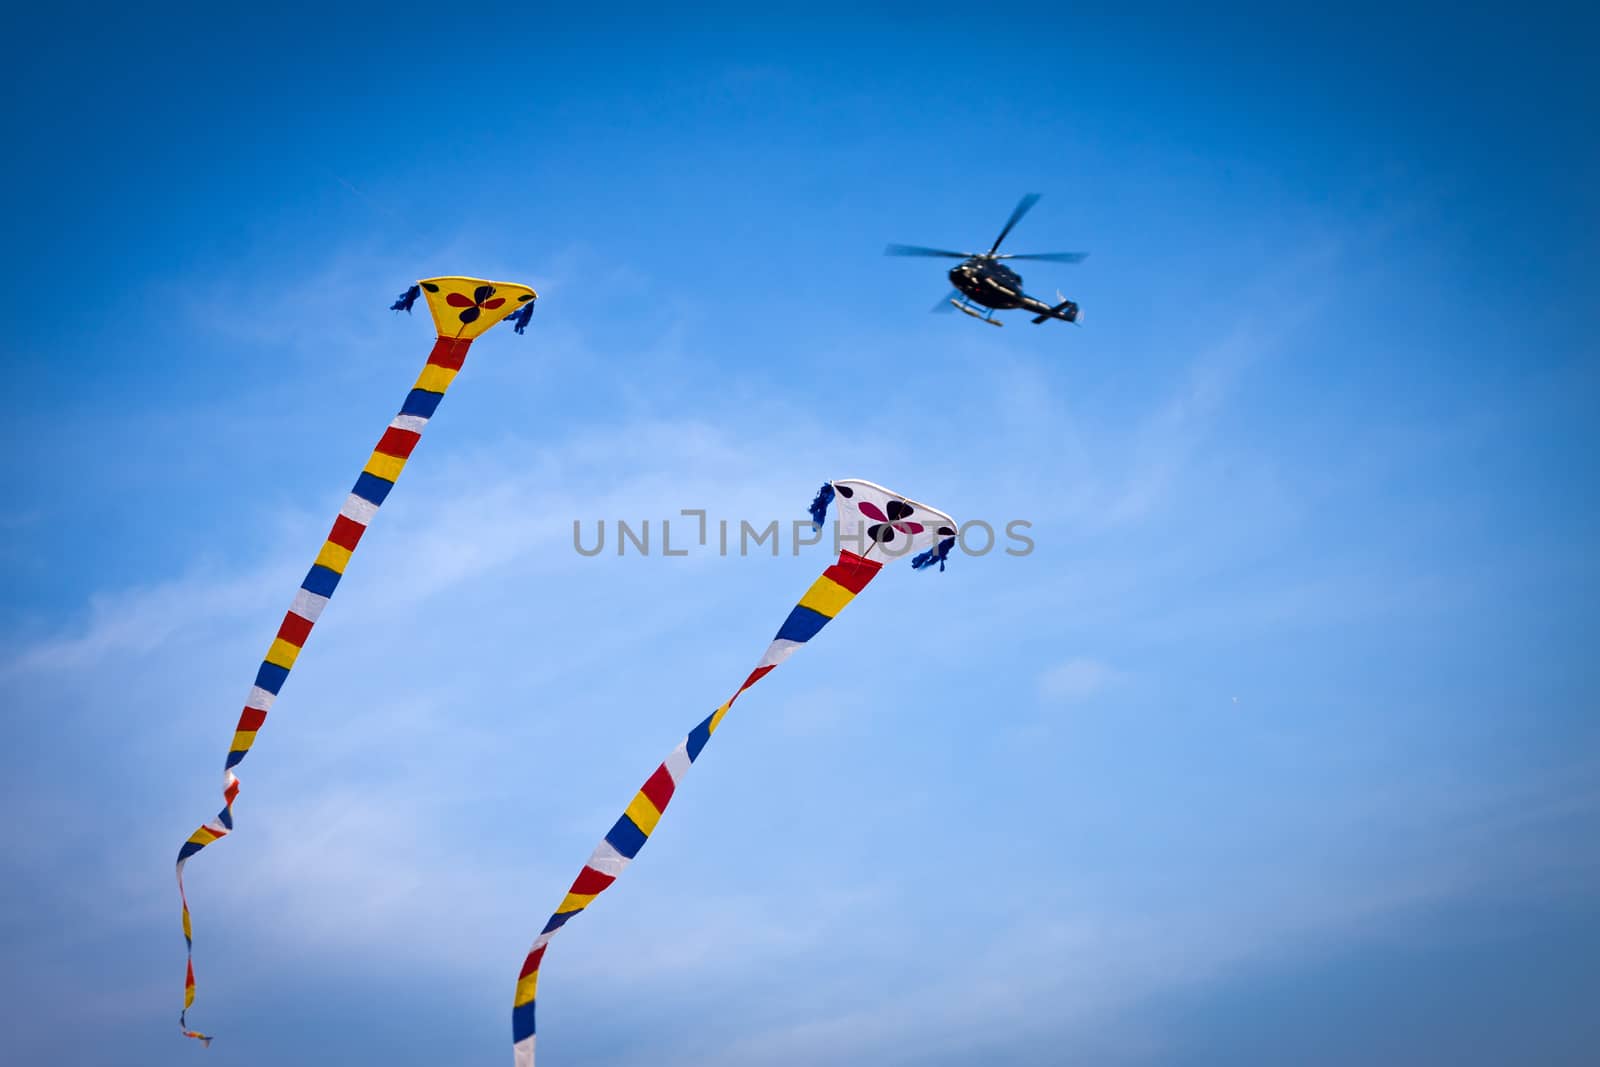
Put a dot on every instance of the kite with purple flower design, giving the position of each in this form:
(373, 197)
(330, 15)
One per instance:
(866, 509)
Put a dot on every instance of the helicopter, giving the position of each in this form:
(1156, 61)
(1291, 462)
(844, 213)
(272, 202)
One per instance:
(980, 278)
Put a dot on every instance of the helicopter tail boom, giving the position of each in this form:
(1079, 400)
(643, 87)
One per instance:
(1066, 311)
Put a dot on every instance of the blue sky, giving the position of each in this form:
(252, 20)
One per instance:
(1280, 747)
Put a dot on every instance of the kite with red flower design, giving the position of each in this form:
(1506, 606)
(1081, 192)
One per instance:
(487, 304)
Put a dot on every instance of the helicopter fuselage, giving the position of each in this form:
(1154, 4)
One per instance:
(986, 282)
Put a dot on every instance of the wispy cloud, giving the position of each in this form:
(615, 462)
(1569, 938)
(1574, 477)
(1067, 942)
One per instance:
(1075, 680)
(1062, 975)
(460, 732)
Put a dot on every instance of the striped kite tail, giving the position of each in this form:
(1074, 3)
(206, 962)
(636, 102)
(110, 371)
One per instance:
(460, 318)
(827, 597)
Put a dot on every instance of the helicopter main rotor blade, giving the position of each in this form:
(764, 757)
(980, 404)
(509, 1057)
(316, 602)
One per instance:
(1023, 206)
(1052, 257)
(944, 305)
(918, 250)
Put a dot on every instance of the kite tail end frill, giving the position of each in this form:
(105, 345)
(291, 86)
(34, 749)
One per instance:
(183, 1016)
(406, 299)
(819, 505)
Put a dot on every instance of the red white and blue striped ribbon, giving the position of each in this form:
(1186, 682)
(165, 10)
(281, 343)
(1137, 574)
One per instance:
(463, 308)
(828, 596)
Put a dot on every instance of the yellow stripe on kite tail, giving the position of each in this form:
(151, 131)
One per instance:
(462, 309)
(827, 597)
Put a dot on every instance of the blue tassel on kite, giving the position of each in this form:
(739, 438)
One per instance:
(407, 298)
(937, 555)
(819, 505)
(519, 318)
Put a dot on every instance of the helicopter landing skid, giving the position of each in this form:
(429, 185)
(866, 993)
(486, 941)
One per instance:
(967, 309)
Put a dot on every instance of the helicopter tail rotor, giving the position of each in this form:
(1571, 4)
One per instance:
(1077, 312)
(1067, 311)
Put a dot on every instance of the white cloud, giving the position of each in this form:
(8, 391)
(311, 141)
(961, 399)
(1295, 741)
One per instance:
(1075, 680)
